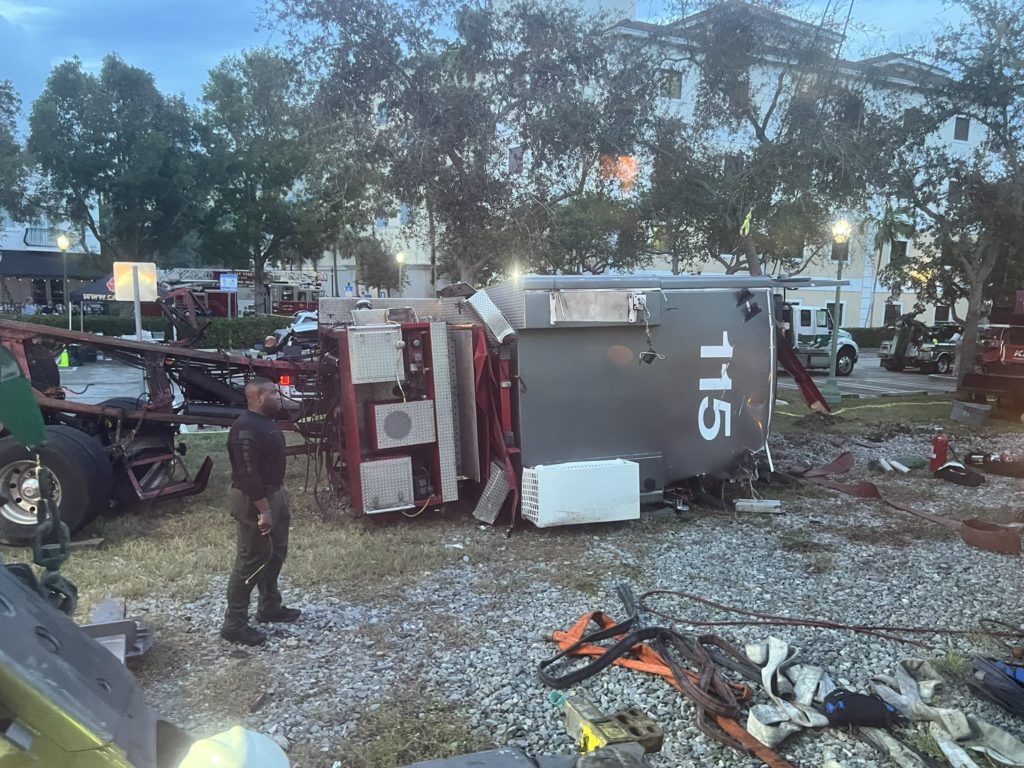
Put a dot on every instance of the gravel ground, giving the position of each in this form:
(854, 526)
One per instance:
(471, 635)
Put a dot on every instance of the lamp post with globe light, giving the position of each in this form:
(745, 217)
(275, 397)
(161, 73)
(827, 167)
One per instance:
(841, 231)
(64, 242)
(400, 258)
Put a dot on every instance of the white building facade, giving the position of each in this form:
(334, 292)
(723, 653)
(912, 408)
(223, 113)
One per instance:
(32, 266)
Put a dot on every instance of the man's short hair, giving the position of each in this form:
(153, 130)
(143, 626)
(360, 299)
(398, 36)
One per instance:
(258, 385)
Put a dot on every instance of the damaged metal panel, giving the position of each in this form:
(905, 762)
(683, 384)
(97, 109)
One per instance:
(586, 395)
(494, 495)
(494, 322)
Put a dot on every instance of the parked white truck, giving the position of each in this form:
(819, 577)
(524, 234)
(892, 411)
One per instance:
(809, 330)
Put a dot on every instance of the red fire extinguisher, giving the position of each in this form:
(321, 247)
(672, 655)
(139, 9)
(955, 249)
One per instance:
(940, 451)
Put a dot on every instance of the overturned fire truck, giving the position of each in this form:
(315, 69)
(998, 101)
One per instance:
(565, 399)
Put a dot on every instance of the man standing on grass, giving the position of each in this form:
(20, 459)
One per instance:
(259, 503)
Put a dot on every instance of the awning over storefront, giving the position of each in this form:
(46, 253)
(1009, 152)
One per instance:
(45, 265)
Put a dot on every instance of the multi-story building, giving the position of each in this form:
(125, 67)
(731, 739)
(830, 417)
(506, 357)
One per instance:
(32, 266)
(864, 301)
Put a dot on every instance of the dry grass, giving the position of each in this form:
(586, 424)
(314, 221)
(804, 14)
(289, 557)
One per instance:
(175, 547)
(922, 741)
(954, 664)
(801, 542)
(408, 727)
(859, 416)
(229, 693)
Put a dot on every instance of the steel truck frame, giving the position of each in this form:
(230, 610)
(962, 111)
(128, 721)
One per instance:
(420, 402)
(123, 450)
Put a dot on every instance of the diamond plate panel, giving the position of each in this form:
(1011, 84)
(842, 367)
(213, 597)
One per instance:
(444, 412)
(374, 355)
(465, 401)
(510, 299)
(493, 498)
(399, 424)
(334, 311)
(488, 313)
(386, 484)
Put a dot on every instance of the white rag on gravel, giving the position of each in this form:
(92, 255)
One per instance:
(910, 693)
(793, 689)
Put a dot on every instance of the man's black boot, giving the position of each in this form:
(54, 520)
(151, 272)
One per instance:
(244, 635)
(283, 615)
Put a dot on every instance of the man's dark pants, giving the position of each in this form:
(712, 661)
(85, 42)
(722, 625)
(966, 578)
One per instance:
(258, 558)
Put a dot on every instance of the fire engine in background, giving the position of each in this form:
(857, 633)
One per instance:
(289, 298)
(288, 291)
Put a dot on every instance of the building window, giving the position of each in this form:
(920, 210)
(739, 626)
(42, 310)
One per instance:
(897, 250)
(892, 312)
(962, 129)
(671, 85)
(404, 215)
(955, 194)
(942, 313)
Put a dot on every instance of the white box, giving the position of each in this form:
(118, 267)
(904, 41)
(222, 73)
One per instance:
(581, 492)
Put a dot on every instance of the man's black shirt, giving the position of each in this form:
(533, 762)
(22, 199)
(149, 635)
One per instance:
(256, 450)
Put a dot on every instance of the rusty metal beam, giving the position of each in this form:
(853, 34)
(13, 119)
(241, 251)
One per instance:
(165, 417)
(12, 330)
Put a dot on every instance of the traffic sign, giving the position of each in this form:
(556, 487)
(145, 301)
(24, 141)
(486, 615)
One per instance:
(229, 282)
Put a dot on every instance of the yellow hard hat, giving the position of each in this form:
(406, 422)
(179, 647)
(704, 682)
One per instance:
(236, 748)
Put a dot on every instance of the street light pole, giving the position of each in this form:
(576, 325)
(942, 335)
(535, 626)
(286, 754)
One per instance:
(840, 252)
(400, 258)
(64, 242)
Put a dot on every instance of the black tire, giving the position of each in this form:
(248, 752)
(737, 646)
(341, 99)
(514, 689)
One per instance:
(82, 473)
(944, 364)
(844, 361)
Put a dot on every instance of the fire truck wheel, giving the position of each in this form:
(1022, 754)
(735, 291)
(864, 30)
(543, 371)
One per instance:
(78, 476)
(844, 362)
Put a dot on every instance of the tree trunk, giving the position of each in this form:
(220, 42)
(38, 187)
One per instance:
(433, 245)
(259, 277)
(874, 288)
(334, 270)
(750, 250)
(467, 271)
(969, 343)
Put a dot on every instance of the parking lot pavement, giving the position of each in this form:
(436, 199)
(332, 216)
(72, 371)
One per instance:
(869, 379)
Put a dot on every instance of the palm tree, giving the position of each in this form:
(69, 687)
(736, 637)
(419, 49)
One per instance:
(894, 224)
